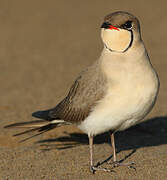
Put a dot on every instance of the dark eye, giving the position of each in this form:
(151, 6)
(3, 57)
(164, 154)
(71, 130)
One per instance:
(127, 25)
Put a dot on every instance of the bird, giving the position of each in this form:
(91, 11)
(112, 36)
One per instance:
(114, 93)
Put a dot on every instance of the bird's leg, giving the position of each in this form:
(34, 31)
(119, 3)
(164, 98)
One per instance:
(113, 147)
(115, 162)
(91, 151)
(92, 167)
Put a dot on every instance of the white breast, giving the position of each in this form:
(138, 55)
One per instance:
(131, 93)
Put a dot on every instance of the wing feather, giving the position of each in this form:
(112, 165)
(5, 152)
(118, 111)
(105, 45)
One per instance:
(84, 94)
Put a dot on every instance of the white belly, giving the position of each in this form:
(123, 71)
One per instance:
(123, 106)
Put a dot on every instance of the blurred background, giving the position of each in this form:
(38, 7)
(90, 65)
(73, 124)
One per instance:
(45, 44)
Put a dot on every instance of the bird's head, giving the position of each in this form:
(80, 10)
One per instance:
(119, 31)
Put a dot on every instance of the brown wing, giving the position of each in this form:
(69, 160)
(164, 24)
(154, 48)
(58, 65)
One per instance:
(82, 97)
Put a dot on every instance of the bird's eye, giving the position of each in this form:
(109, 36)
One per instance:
(127, 25)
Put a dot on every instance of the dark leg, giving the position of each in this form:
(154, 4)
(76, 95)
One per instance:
(91, 151)
(115, 162)
(113, 147)
(92, 167)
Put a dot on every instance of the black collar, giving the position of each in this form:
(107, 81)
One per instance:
(130, 44)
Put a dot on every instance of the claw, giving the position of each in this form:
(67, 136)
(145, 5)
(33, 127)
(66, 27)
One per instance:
(117, 164)
(93, 169)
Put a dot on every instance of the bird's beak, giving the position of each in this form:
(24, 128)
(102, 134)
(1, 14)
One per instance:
(106, 25)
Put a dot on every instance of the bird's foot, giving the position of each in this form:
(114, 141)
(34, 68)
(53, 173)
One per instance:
(93, 169)
(118, 163)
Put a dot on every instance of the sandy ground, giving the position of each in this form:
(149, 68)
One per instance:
(43, 46)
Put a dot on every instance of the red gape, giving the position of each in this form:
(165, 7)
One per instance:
(113, 27)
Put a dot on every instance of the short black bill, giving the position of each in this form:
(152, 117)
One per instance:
(105, 25)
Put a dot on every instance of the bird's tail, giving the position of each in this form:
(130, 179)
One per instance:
(38, 126)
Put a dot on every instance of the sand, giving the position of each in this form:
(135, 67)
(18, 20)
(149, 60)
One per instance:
(43, 47)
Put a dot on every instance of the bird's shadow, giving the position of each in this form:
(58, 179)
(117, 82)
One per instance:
(150, 133)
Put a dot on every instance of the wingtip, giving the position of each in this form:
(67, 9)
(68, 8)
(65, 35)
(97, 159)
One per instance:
(9, 126)
(42, 115)
(27, 124)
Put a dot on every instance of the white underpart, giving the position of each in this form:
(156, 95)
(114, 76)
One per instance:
(131, 92)
(116, 40)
